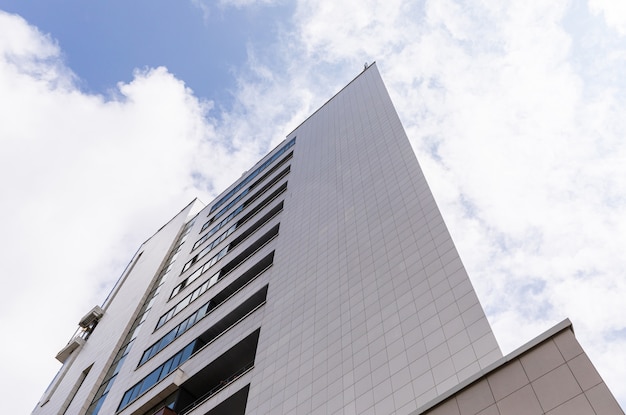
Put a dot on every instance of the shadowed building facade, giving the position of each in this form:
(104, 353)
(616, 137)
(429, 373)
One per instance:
(324, 281)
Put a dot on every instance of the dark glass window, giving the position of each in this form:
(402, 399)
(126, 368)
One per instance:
(253, 174)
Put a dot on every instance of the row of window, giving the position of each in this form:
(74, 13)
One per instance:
(206, 308)
(187, 282)
(235, 242)
(208, 249)
(240, 209)
(120, 357)
(246, 349)
(159, 373)
(216, 277)
(182, 304)
(252, 175)
(176, 332)
(258, 194)
(201, 270)
(217, 227)
(226, 208)
(269, 215)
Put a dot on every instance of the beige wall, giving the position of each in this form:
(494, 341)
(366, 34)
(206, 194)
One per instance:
(552, 377)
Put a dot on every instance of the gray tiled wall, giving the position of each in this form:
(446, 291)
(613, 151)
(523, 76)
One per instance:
(369, 308)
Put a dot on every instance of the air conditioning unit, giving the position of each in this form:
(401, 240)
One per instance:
(94, 315)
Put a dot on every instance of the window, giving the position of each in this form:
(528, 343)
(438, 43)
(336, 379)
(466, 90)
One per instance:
(252, 175)
(227, 219)
(252, 198)
(244, 255)
(208, 307)
(159, 374)
(266, 218)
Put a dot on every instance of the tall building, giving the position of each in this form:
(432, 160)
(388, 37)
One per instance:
(323, 281)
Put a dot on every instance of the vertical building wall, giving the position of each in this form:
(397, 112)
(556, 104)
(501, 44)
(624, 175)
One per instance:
(369, 308)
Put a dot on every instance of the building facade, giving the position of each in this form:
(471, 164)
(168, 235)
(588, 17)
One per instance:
(323, 281)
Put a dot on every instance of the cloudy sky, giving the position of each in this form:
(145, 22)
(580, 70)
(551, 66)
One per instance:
(114, 115)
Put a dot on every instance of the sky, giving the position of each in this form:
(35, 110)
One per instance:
(114, 115)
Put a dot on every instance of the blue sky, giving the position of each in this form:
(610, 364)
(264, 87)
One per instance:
(115, 115)
(103, 43)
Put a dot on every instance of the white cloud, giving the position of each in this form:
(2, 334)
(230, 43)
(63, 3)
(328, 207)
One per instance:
(348, 30)
(613, 12)
(206, 5)
(85, 179)
(248, 3)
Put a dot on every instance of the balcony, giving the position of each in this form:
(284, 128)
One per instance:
(217, 375)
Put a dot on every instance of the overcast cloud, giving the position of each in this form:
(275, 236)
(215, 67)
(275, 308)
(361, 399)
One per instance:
(515, 112)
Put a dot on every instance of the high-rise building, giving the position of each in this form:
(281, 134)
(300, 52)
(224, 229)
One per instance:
(323, 281)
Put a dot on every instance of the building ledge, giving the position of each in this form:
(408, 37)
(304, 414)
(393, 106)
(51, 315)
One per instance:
(553, 331)
(65, 352)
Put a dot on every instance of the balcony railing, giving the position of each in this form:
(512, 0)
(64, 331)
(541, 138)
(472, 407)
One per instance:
(239, 373)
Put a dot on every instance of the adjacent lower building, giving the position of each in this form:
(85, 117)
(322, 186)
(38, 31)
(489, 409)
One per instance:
(323, 281)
